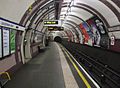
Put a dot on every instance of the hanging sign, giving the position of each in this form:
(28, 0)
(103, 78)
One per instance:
(52, 23)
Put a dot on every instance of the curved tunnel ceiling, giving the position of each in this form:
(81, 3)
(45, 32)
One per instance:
(80, 10)
(85, 9)
(77, 12)
(107, 10)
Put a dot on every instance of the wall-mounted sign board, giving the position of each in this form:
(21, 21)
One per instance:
(8, 32)
(12, 25)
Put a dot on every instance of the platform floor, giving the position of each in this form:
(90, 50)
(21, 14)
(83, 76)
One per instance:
(43, 71)
(49, 69)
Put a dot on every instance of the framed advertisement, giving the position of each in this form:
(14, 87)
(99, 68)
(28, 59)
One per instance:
(6, 40)
(86, 36)
(100, 25)
(12, 40)
(96, 33)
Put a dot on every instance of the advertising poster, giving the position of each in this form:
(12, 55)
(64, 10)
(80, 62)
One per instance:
(88, 30)
(95, 32)
(0, 44)
(86, 36)
(12, 40)
(6, 45)
(100, 26)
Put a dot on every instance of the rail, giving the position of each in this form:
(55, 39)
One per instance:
(103, 70)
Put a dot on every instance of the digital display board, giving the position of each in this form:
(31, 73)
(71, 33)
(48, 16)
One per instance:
(0, 44)
(55, 28)
(12, 40)
(6, 45)
(50, 22)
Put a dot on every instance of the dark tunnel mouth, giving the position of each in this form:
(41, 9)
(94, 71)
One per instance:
(58, 39)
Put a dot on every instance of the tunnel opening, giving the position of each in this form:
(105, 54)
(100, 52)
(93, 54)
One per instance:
(58, 39)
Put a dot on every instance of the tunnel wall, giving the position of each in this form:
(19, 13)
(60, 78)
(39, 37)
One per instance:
(10, 41)
(34, 49)
(7, 63)
(116, 47)
(105, 56)
(115, 32)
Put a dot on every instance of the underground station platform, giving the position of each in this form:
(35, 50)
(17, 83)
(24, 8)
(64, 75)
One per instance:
(54, 67)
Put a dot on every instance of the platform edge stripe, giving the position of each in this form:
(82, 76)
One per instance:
(84, 70)
(79, 72)
(69, 79)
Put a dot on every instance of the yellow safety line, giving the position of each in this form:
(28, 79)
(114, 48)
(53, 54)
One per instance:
(6, 74)
(79, 72)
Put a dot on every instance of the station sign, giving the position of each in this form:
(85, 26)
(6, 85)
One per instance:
(52, 23)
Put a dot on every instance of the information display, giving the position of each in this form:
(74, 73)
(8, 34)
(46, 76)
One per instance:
(12, 40)
(52, 23)
(6, 46)
(55, 28)
(0, 44)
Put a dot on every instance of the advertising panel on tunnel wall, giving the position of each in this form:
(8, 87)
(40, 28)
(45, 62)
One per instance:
(95, 32)
(100, 26)
(8, 31)
(12, 40)
(6, 40)
(89, 32)
(85, 34)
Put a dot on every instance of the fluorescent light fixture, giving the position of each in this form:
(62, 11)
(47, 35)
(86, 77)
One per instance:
(72, 3)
